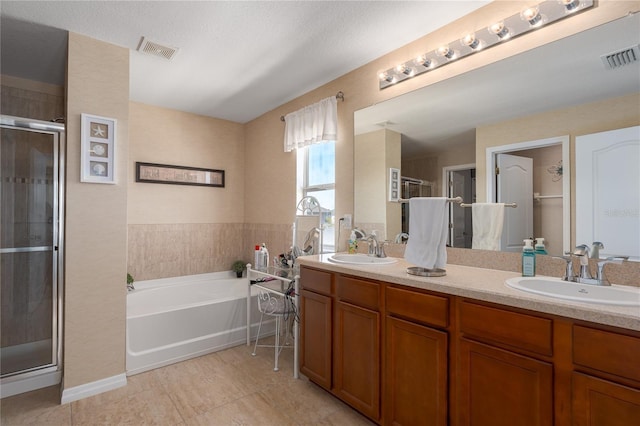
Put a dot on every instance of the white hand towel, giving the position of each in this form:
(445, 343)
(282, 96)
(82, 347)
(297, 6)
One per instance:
(488, 220)
(428, 225)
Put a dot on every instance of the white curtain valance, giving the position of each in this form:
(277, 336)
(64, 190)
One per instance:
(312, 124)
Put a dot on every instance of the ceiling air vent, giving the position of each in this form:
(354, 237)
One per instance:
(622, 57)
(155, 49)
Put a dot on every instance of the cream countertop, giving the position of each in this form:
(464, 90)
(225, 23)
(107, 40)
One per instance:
(483, 284)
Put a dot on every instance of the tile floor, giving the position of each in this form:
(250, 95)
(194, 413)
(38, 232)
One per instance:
(229, 387)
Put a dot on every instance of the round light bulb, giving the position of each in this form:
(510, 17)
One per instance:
(570, 5)
(423, 61)
(532, 15)
(471, 41)
(445, 52)
(500, 30)
(383, 76)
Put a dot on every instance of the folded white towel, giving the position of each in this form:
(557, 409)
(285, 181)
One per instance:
(428, 225)
(488, 220)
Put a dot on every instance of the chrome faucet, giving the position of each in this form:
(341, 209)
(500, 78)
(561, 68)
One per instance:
(582, 251)
(585, 277)
(568, 272)
(376, 248)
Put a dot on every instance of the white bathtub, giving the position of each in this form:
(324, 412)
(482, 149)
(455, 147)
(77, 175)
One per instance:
(173, 319)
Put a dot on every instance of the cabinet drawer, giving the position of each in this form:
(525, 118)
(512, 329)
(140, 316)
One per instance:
(520, 331)
(318, 281)
(359, 292)
(606, 351)
(425, 308)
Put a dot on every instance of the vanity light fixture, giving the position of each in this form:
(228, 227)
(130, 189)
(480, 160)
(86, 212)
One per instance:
(545, 12)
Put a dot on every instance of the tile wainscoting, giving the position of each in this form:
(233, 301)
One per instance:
(171, 250)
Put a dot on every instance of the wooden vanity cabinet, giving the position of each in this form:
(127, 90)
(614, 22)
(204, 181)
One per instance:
(340, 337)
(316, 333)
(404, 356)
(505, 373)
(356, 370)
(605, 385)
(416, 351)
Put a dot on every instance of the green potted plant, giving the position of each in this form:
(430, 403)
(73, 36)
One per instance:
(130, 281)
(238, 267)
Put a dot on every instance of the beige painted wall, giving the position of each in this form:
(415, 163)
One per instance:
(270, 172)
(165, 136)
(179, 230)
(96, 219)
(394, 210)
(376, 152)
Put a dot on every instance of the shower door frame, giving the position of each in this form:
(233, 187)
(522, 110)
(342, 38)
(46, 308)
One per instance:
(49, 374)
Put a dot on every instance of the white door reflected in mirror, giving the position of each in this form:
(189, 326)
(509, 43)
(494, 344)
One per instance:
(607, 195)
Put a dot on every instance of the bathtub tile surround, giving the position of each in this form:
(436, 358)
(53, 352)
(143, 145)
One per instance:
(227, 387)
(172, 250)
(179, 249)
(278, 238)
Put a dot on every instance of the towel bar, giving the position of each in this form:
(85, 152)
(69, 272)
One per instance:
(514, 205)
(456, 200)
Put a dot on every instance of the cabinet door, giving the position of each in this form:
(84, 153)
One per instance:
(416, 379)
(600, 402)
(357, 358)
(501, 388)
(315, 338)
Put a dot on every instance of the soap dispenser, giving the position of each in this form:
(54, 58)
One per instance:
(540, 248)
(528, 259)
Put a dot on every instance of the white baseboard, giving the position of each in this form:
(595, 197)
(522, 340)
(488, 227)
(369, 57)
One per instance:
(94, 388)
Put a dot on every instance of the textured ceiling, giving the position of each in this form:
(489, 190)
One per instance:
(236, 59)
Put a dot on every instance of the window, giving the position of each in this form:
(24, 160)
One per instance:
(317, 178)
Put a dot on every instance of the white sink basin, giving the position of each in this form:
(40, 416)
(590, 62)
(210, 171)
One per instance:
(555, 287)
(361, 259)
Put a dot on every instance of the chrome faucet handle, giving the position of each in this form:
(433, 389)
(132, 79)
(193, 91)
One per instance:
(596, 246)
(568, 272)
(602, 280)
(372, 240)
(381, 252)
(581, 250)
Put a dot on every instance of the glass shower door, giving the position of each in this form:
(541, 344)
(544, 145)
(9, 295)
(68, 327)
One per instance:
(28, 249)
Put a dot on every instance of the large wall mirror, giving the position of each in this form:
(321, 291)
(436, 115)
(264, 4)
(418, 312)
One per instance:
(446, 137)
